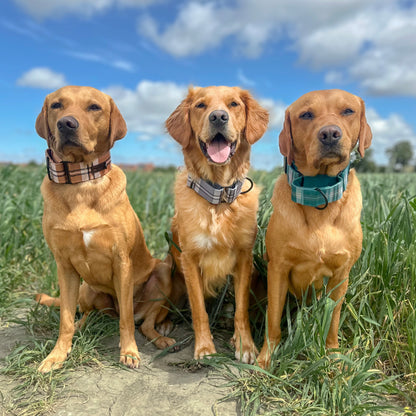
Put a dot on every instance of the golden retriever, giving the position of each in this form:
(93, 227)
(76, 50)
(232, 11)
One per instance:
(305, 244)
(91, 228)
(215, 232)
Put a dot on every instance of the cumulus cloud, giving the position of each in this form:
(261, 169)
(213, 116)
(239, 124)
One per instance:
(42, 9)
(387, 132)
(43, 78)
(147, 107)
(370, 41)
(190, 34)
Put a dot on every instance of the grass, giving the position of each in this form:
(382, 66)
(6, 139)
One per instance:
(373, 373)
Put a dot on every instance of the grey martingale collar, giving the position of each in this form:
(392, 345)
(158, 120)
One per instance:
(216, 194)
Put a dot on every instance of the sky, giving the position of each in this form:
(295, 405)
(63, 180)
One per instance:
(146, 53)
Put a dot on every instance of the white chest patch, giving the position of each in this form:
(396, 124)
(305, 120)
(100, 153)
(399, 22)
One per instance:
(87, 235)
(205, 241)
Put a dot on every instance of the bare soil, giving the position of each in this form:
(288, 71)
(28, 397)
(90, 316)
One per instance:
(159, 387)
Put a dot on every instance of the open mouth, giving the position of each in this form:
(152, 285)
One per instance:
(219, 150)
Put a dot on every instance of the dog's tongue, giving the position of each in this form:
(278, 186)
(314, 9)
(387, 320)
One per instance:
(218, 150)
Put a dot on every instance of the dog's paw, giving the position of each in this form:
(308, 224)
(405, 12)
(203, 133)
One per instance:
(247, 357)
(166, 342)
(263, 360)
(204, 351)
(245, 350)
(130, 359)
(165, 327)
(53, 361)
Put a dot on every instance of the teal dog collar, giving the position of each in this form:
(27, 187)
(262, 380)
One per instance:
(318, 190)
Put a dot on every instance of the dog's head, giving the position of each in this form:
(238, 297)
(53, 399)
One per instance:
(321, 129)
(80, 123)
(217, 122)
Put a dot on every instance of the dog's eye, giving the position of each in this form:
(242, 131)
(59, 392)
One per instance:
(94, 107)
(347, 112)
(307, 115)
(200, 105)
(233, 104)
(56, 105)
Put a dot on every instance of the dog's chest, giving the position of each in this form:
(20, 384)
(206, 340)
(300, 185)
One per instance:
(325, 251)
(219, 229)
(86, 240)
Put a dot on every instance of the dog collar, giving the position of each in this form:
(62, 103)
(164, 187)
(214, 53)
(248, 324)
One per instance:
(216, 194)
(60, 171)
(318, 190)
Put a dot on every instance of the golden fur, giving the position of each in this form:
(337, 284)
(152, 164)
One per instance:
(216, 240)
(93, 231)
(305, 244)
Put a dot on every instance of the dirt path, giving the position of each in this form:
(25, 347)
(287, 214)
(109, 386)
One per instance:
(156, 388)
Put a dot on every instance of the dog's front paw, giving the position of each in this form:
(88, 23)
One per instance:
(204, 351)
(263, 360)
(245, 351)
(130, 358)
(53, 361)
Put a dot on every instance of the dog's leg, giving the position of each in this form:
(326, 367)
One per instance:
(193, 280)
(337, 287)
(154, 308)
(123, 284)
(69, 282)
(277, 288)
(47, 300)
(245, 350)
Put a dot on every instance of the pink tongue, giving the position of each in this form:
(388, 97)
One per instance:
(218, 151)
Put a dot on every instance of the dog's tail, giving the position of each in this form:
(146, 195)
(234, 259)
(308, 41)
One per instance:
(47, 300)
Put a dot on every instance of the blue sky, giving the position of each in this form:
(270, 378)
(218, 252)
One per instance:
(145, 53)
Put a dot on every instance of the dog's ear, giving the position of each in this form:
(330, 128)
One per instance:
(257, 118)
(178, 124)
(118, 127)
(285, 139)
(42, 126)
(365, 135)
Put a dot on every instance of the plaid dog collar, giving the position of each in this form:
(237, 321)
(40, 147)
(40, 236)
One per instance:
(316, 190)
(60, 171)
(216, 194)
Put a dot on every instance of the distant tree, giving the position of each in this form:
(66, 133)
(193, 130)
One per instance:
(366, 164)
(400, 155)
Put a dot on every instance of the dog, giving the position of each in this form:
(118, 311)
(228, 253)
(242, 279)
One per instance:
(91, 228)
(314, 231)
(215, 223)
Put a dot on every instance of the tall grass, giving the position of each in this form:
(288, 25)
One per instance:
(376, 364)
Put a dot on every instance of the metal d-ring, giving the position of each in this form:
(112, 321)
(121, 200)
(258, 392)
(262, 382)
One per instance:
(251, 186)
(326, 199)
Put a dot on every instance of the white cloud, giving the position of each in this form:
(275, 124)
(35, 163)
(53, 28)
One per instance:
(43, 78)
(241, 76)
(387, 132)
(190, 34)
(370, 41)
(146, 108)
(42, 9)
(106, 60)
(276, 111)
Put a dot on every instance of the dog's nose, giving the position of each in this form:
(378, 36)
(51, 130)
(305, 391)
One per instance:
(218, 118)
(67, 124)
(329, 134)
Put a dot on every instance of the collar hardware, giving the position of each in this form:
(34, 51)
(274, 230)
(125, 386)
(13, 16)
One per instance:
(315, 191)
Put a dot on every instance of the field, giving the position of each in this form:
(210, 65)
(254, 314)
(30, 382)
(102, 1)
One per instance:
(373, 374)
